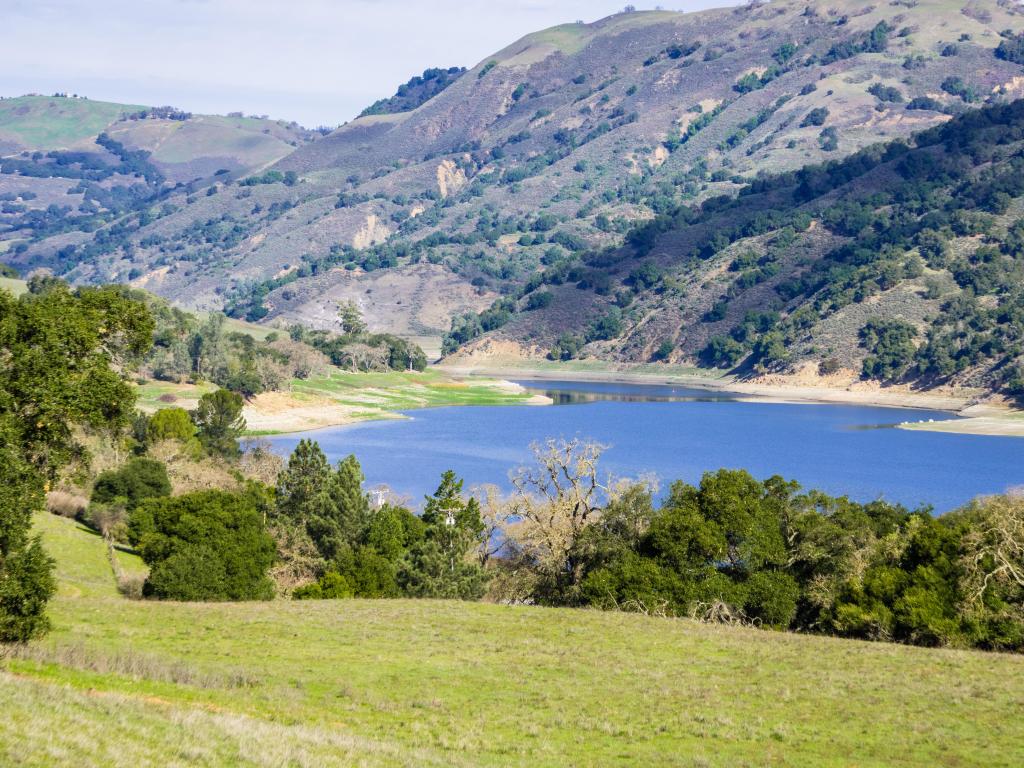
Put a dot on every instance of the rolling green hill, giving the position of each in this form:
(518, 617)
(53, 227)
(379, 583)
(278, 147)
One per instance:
(400, 682)
(44, 123)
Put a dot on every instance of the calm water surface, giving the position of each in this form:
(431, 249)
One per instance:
(678, 433)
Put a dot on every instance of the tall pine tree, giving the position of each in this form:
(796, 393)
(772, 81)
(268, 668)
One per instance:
(443, 564)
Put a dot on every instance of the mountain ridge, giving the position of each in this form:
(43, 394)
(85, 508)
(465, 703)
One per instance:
(549, 152)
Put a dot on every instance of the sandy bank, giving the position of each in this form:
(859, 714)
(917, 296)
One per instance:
(979, 419)
(892, 397)
(284, 412)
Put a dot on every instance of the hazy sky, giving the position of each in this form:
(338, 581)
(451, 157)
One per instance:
(316, 61)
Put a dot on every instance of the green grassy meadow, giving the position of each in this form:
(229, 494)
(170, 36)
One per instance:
(405, 682)
(44, 122)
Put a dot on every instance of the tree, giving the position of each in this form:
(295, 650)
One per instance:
(330, 507)
(219, 421)
(554, 502)
(350, 502)
(891, 347)
(57, 352)
(336, 515)
(302, 481)
(170, 424)
(302, 502)
(205, 545)
(992, 559)
(445, 563)
(1011, 49)
(141, 478)
(351, 318)
(207, 346)
(816, 116)
(26, 572)
(432, 572)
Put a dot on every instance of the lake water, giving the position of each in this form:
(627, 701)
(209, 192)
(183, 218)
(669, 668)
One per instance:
(678, 433)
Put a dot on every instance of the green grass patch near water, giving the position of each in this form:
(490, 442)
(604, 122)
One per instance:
(395, 391)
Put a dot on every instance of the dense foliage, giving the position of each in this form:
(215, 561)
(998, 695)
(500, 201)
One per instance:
(205, 545)
(739, 550)
(139, 479)
(352, 549)
(418, 90)
(57, 352)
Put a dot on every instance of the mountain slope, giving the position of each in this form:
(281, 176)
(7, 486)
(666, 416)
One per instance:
(182, 145)
(553, 148)
(903, 262)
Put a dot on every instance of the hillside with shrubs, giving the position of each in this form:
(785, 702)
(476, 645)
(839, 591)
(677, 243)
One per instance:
(900, 263)
(466, 189)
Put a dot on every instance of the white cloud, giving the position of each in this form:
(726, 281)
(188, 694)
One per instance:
(315, 61)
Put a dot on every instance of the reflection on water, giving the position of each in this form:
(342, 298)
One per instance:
(573, 392)
(574, 397)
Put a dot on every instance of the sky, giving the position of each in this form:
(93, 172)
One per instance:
(319, 62)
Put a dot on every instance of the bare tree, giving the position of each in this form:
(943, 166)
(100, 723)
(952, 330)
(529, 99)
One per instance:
(554, 501)
(498, 514)
(994, 547)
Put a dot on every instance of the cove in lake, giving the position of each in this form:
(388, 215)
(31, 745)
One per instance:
(678, 433)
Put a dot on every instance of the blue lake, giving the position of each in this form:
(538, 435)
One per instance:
(678, 433)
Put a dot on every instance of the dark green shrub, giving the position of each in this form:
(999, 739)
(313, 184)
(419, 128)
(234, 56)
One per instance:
(539, 300)
(141, 478)
(722, 352)
(1011, 49)
(816, 116)
(205, 545)
(890, 344)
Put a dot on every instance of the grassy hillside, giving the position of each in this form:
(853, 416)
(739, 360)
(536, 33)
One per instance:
(17, 287)
(398, 682)
(69, 166)
(50, 122)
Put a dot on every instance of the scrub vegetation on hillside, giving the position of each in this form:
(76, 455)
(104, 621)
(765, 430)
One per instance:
(539, 163)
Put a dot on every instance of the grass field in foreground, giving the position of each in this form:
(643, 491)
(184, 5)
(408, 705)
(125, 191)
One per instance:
(402, 682)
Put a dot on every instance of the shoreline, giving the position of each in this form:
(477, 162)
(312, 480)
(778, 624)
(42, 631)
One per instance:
(288, 414)
(974, 418)
(753, 391)
(272, 414)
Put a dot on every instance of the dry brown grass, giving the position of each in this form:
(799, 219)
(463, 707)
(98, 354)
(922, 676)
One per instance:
(191, 473)
(126, 662)
(66, 504)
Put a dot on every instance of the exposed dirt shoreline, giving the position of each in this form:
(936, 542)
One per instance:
(979, 418)
(280, 413)
(793, 393)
